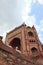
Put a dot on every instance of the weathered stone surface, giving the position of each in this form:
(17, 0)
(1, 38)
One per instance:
(22, 47)
(15, 58)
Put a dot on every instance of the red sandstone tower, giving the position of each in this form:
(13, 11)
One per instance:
(24, 39)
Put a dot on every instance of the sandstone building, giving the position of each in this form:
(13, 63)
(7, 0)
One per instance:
(22, 47)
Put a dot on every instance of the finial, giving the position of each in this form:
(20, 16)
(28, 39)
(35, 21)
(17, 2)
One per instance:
(24, 24)
(33, 27)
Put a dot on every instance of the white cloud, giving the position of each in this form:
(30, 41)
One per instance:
(26, 10)
(31, 20)
(40, 2)
(34, 1)
(10, 14)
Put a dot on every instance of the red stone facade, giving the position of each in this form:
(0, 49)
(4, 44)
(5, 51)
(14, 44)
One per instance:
(22, 47)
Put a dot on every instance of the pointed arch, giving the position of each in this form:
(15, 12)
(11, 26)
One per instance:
(15, 43)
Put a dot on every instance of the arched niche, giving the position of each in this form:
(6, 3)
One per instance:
(34, 51)
(16, 43)
(30, 33)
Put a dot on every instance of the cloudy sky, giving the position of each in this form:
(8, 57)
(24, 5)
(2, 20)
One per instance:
(14, 12)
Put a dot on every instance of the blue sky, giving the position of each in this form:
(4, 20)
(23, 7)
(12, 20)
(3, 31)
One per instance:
(14, 12)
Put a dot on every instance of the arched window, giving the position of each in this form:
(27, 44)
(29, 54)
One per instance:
(30, 33)
(15, 43)
(34, 51)
(32, 41)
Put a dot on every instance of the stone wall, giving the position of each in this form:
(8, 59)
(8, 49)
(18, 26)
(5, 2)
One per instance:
(7, 58)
